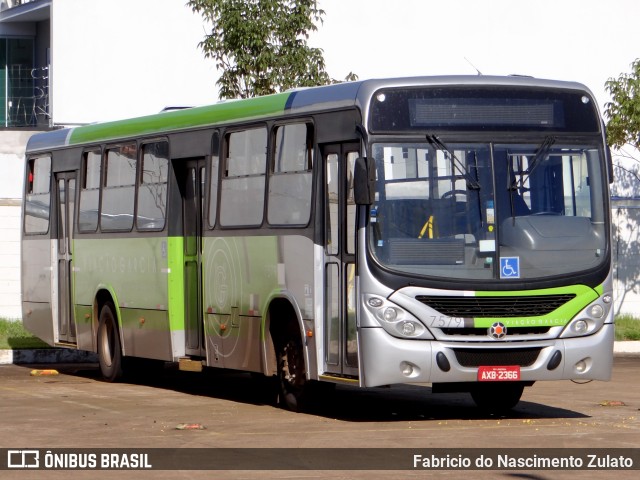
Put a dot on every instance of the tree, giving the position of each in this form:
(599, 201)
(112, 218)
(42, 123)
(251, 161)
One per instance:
(623, 130)
(261, 45)
(623, 111)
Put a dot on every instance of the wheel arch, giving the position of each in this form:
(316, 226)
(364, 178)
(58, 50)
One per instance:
(103, 295)
(283, 320)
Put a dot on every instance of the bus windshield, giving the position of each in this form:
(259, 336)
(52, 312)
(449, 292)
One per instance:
(488, 210)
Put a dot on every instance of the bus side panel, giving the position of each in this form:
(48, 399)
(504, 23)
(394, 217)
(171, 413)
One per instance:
(146, 333)
(36, 287)
(85, 328)
(298, 261)
(241, 276)
(238, 273)
(135, 269)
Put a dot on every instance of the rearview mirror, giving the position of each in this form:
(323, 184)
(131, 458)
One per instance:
(364, 181)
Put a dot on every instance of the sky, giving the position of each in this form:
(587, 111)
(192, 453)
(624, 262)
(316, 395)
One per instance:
(588, 41)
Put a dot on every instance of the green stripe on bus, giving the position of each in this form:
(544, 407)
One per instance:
(559, 317)
(175, 262)
(181, 119)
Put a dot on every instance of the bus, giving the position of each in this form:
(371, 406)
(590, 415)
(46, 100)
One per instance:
(451, 231)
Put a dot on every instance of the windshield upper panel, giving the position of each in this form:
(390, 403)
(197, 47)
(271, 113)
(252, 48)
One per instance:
(488, 211)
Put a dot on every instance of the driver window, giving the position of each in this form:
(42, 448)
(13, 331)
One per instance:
(425, 194)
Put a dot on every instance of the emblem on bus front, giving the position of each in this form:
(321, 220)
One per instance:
(497, 331)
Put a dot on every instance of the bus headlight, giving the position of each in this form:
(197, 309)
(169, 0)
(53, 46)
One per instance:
(580, 327)
(589, 320)
(596, 311)
(395, 319)
(375, 302)
(390, 314)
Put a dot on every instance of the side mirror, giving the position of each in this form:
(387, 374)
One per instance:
(364, 185)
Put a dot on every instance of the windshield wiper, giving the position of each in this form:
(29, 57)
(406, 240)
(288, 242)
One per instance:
(540, 156)
(436, 143)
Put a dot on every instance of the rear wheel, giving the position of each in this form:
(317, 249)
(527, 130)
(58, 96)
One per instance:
(498, 397)
(109, 351)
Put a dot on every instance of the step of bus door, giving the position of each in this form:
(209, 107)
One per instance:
(186, 364)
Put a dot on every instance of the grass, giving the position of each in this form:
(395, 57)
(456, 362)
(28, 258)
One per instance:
(13, 336)
(627, 327)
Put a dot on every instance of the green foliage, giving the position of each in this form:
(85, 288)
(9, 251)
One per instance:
(623, 111)
(260, 46)
(627, 328)
(14, 336)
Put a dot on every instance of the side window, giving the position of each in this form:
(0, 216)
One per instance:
(243, 182)
(118, 188)
(89, 191)
(213, 192)
(290, 185)
(152, 186)
(331, 214)
(38, 197)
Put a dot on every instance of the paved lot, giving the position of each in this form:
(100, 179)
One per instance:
(75, 409)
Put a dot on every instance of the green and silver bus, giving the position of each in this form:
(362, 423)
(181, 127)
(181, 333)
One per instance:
(453, 231)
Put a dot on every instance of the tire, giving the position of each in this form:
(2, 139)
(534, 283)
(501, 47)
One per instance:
(497, 398)
(109, 351)
(292, 377)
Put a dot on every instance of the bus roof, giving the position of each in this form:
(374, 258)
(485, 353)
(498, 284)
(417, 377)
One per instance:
(298, 101)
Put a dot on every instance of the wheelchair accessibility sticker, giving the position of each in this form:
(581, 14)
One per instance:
(509, 267)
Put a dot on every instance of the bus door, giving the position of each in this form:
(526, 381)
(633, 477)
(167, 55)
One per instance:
(192, 175)
(340, 333)
(65, 192)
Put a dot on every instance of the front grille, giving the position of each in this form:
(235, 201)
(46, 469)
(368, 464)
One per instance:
(483, 331)
(495, 307)
(476, 357)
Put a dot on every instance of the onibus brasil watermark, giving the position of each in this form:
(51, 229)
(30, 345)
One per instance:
(534, 461)
(320, 459)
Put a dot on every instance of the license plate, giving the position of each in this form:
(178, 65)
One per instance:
(508, 373)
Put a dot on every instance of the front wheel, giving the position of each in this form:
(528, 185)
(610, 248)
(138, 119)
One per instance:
(292, 376)
(109, 351)
(497, 398)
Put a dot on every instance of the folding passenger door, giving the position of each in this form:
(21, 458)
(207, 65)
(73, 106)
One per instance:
(340, 334)
(192, 175)
(65, 191)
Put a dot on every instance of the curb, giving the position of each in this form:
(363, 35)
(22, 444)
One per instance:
(47, 355)
(66, 355)
(627, 347)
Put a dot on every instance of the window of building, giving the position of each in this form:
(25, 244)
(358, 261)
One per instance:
(22, 88)
(243, 182)
(119, 188)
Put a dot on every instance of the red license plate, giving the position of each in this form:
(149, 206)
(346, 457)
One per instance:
(508, 373)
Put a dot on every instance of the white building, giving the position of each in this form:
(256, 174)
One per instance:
(72, 62)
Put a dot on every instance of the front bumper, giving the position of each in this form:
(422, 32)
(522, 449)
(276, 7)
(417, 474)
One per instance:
(387, 360)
